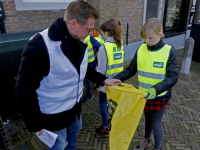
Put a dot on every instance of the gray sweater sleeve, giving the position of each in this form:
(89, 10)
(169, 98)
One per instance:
(102, 61)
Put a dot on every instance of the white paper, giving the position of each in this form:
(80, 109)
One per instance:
(47, 137)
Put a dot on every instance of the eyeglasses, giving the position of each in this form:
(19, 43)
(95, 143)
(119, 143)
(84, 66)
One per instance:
(88, 29)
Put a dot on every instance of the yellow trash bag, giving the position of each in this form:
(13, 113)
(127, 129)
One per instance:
(129, 103)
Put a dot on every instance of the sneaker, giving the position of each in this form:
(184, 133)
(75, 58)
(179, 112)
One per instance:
(157, 148)
(87, 99)
(143, 144)
(102, 131)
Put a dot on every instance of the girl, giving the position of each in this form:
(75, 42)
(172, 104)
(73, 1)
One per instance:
(110, 63)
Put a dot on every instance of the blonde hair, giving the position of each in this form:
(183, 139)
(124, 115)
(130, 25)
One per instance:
(152, 24)
(114, 28)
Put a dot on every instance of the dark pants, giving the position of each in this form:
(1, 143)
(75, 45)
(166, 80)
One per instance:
(67, 137)
(103, 108)
(87, 83)
(153, 122)
(96, 64)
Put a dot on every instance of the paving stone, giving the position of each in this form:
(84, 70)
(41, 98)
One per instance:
(181, 121)
(34, 143)
(39, 142)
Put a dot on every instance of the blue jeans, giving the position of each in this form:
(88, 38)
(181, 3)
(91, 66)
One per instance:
(153, 122)
(103, 108)
(67, 137)
(87, 83)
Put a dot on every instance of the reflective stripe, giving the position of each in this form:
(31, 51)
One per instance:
(148, 86)
(151, 75)
(90, 50)
(111, 75)
(59, 101)
(145, 85)
(91, 56)
(62, 86)
(115, 66)
(115, 59)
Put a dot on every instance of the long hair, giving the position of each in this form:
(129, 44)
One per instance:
(114, 29)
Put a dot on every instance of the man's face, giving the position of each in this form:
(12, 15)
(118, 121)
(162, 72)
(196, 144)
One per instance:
(151, 38)
(82, 31)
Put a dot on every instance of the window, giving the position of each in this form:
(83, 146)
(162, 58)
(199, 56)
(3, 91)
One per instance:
(173, 14)
(175, 17)
(152, 9)
(41, 4)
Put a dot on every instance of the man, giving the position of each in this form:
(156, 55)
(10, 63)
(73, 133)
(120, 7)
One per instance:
(50, 79)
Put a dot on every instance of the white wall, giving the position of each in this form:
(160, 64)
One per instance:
(41, 5)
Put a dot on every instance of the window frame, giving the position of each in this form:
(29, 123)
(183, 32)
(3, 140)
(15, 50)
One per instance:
(182, 26)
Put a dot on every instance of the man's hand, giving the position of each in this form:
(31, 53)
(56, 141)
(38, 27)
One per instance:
(151, 94)
(109, 82)
(40, 132)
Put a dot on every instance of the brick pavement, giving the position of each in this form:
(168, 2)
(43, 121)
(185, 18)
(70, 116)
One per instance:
(181, 122)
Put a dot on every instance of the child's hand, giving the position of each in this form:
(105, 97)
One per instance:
(151, 94)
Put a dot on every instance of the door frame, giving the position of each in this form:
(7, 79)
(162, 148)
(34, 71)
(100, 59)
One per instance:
(159, 13)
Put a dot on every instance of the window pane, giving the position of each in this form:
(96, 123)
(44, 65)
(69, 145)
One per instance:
(199, 15)
(152, 9)
(173, 14)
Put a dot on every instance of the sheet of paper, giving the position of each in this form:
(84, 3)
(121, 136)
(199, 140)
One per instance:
(47, 137)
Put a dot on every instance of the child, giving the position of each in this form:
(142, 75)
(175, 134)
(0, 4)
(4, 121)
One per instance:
(157, 69)
(96, 34)
(110, 63)
(92, 44)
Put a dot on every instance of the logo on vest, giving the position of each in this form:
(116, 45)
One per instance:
(117, 56)
(158, 64)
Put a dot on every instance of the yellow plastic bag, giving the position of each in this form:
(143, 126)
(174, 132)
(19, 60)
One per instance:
(129, 103)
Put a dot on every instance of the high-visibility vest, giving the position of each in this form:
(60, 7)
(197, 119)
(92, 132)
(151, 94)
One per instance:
(122, 47)
(62, 88)
(152, 66)
(90, 50)
(100, 39)
(115, 59)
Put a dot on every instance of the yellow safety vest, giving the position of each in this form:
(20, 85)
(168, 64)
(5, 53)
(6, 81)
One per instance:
(115, 59)
(122, 47)
(99, 39)
(89, 49)
(152, 66)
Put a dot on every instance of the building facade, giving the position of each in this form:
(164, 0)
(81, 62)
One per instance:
(177, 17)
